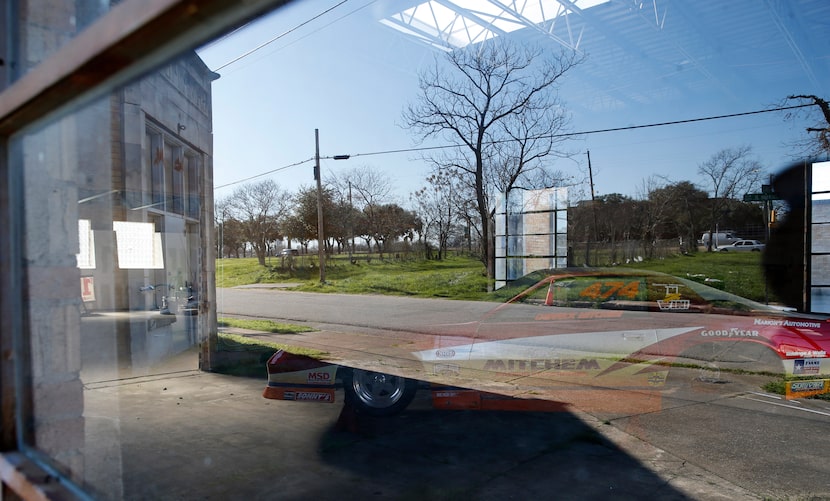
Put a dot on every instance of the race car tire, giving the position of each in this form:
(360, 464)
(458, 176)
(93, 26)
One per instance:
(376, 393)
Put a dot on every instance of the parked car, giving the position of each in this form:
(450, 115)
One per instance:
(289, 252)
(743, 246)
(721, 239)
(572, 337)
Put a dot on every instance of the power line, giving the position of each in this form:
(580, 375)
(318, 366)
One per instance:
(269, 42)
(299, 39)
(264, 173)
(546, 136)
(596, 131)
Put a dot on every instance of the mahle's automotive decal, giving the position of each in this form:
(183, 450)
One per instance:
(800, 324)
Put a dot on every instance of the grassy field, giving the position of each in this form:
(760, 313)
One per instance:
(462, 277)
(736, 272)
(457, 277)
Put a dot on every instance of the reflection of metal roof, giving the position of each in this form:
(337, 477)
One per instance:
(675, 47)
(458, 23)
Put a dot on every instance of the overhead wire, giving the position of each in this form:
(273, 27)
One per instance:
(546, 136)
(274, 39)
(295, 164)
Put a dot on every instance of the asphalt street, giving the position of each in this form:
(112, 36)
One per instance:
(726, 426)
(184, 435)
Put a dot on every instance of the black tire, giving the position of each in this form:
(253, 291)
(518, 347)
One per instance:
(376, 393)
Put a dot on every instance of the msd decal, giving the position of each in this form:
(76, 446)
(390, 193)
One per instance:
(319, 377)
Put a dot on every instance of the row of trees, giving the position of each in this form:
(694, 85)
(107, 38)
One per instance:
(258, 215)
(679, 211)
(357, 205)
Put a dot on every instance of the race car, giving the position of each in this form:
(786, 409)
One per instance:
(575, 337)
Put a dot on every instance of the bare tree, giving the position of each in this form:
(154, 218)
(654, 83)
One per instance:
(729, 173)
(437, 205)
(259, 207)
(498, 104)
(367, 189)
(368, 186)
(819, 143)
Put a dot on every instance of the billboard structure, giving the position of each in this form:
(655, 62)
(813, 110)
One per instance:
(531, 232)
(820, 238)
(797, 255)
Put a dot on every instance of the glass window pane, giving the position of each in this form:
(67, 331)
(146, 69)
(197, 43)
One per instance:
(140, 276)
(492, 282)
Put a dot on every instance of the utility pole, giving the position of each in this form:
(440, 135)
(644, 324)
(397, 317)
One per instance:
(321, 247)
(593, 197)
(350, 244)
(321, 238)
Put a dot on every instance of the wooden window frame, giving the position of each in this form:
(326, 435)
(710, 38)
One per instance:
(132, 39)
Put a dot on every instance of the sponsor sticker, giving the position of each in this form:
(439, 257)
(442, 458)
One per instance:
(308, 396)
(319, 377)
(801, 324)
(535, 365)
(299, 394)
(806, 366)
(807, 354)
(731, 332)
(803, 389)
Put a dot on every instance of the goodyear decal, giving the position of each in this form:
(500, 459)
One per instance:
(731, 332)
(802, 389)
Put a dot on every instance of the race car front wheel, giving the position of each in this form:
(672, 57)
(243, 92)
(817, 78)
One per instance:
(376, 393)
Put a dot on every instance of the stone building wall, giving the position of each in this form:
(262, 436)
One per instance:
(80, 167)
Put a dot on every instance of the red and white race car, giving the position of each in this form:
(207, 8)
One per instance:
(576, 337)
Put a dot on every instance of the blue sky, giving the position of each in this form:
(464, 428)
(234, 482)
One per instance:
(350, 77)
